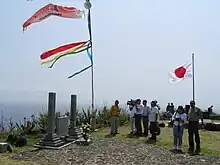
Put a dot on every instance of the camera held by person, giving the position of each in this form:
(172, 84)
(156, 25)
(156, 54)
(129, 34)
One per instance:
(131, 102)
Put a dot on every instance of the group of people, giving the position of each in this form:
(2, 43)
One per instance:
(170, 108)
(142, 114)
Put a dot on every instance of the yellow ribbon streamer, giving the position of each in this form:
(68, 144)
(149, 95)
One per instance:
(63, 54)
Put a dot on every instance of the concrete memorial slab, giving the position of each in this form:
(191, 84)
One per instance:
(62, 125)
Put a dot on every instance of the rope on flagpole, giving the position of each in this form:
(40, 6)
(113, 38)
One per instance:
(193, 72)
(88, 6)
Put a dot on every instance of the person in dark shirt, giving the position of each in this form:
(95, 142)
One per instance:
(210, 110)
(168, 107)
(187, 107)
(193, 128)
(172, 110)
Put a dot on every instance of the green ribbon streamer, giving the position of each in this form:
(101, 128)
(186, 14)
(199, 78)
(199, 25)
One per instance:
(87, 47)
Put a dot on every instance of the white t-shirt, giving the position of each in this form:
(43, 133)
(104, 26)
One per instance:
(152, 114)
(182, 117)
(131, 113)
(146, 110)
(139, 111)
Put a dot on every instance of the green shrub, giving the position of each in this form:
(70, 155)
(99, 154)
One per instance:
(83, 116)
(42, 121)
(215, 117)
(28, 126)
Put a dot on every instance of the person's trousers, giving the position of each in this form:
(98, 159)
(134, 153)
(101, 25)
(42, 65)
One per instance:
(193, 129)
(145, 124)
(114, 124)
(178, 136)
(153, 126)
(132, 125)
(138, 126)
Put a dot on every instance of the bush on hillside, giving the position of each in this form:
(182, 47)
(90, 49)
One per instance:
(16, 140)
(28, 127)
(42, 122)
(12, 138)
(39, 124)
(21, 142)
(215, 117)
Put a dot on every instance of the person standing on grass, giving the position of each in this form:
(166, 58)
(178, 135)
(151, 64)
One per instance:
(193, 127)
(210, 111)
(138, 116)
(168, 108)
(179, 118)
(132, 119)
(153, 119)
(187, 107)
(145, 117)
(114, 117)
(172, 108)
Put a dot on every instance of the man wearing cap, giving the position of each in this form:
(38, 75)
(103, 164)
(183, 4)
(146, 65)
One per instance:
(194, 115)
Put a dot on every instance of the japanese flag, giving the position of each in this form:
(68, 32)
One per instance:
(180, 73)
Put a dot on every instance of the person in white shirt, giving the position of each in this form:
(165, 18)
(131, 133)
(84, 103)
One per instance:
(138, 116)
(153, 119)
(145, 117)
(179, 118)
(132, 119)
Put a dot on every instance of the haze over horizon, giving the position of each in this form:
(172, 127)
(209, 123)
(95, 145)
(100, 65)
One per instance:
(136, 44)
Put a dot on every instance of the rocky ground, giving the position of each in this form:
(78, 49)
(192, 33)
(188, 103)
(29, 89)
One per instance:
(105, 151)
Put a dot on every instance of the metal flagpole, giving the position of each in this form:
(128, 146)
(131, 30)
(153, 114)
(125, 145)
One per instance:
(193, 72)
(88, 6)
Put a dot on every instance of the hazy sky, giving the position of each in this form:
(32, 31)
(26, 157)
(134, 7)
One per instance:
(136, 44)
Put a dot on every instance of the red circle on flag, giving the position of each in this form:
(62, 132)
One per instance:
(180, 72)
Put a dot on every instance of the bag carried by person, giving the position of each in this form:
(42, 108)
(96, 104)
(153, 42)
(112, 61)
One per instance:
(155, 129)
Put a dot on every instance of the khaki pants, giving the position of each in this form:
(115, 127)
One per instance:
(132, 125)
(114, 124)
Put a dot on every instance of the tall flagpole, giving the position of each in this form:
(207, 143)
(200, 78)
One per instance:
(193, 72)
(88, 6)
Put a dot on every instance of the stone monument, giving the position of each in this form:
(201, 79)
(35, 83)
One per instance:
(62, 125)
(93, 120)
(74, 132)
(51, 140)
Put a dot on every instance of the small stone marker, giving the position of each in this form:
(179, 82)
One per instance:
(62, 126)
(3, 147)
(74, 132)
